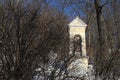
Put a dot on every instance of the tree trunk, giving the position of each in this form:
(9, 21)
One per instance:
(98, 56)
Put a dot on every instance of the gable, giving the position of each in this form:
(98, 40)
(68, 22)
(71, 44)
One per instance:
(77, 22)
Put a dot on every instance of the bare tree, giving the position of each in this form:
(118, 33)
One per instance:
(28, 33)
(102, 55)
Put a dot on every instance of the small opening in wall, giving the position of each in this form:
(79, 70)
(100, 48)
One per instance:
(77, 43)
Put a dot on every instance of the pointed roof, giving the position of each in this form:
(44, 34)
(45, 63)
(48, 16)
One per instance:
(77, 22)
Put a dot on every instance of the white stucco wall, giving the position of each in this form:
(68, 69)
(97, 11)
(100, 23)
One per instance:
(77, 26)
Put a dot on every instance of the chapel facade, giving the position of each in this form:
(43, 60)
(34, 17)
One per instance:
(77, 29)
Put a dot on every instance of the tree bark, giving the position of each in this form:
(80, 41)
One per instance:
(98, 56)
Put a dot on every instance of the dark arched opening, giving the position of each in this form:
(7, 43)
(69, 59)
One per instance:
(77, 43)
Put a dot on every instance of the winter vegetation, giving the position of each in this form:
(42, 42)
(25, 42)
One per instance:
(38, 42)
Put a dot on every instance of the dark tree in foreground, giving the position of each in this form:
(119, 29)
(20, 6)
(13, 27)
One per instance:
(29, 31)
